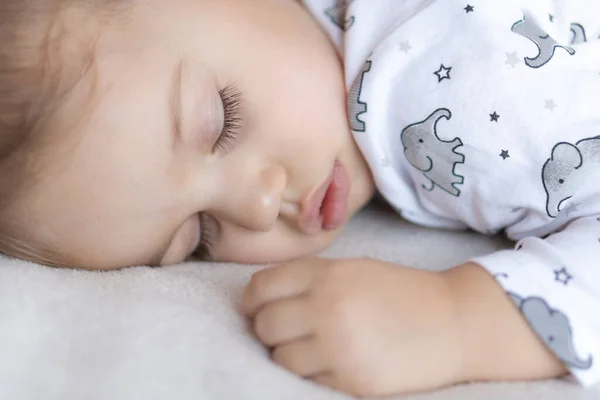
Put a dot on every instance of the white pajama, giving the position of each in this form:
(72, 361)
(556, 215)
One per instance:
(486, 115)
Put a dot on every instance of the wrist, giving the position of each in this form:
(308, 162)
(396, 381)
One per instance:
(495, 341)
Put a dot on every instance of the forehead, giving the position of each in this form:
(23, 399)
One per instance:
(107, 169)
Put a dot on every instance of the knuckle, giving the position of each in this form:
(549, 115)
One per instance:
(257, 282)
(364, 387)
(341, 268)
(264, 327)
(357, 382)
(259, 285)
(282, 356)
(341, 308)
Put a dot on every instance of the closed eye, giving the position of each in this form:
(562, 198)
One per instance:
(231, 98)
(209, 232)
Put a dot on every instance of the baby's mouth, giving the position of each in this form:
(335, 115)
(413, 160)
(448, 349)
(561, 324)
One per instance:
(327, 208)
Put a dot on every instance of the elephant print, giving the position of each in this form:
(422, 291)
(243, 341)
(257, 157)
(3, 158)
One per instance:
(566, 170)
(434, 157)
(553, 327)
(528, 28)
(577, 34)
(356, 107)
(337, 14)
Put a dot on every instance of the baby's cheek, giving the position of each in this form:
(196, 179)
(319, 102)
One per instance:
(184, 242)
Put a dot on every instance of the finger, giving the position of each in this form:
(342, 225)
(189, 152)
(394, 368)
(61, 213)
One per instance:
(326, 379)
(302, 357)
(286, 280)
(360, 387)
(283, 320)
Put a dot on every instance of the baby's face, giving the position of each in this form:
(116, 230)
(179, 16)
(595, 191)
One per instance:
(207, 121)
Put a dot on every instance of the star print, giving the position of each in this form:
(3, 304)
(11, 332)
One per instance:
(512, 59)
(562, 276)
(469, 8)
(516, 209)
(504, 154)
(405, 47)
(551, 17)
(443, 73)
(550, 104)
(494, 117)
(501, 275)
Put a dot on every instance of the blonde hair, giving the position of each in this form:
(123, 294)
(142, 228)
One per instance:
(35, 78)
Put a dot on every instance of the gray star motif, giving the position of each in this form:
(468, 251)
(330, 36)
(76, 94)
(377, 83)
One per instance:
(443, 73)
(562, 276)
(550, 104)
(405, 47)
(512, 59)
(504, 154)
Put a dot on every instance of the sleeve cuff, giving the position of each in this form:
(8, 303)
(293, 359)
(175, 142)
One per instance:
(563, 315)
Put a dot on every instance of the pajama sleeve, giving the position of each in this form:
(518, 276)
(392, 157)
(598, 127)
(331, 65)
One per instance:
(459, 101)
(555, 283)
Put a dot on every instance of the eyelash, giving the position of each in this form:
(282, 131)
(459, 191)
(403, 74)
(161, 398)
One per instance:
(205, 249)
(231, 98)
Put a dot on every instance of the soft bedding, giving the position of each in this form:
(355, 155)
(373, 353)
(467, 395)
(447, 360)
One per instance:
(174, 333)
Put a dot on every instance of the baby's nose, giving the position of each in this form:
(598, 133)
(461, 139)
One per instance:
(257, 201)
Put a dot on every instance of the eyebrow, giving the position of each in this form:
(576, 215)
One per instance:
(175, 106)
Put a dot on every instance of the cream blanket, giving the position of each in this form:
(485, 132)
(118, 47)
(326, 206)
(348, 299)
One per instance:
(173, 333)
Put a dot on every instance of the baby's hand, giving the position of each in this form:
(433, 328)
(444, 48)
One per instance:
(362, 326)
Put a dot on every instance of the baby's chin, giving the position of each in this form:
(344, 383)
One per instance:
(290, 249)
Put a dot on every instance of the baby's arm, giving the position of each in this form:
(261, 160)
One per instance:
(371, 328)
(497, 342)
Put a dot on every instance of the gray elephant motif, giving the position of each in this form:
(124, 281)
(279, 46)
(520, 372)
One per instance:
(337, 14)
(356, 107)
(566, 170)
(434, 157)
(577, 34)
(553, 327)
(528, 28)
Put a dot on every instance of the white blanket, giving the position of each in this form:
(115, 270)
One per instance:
(174, 333)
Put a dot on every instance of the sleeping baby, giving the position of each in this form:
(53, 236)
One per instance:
(147, 132)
